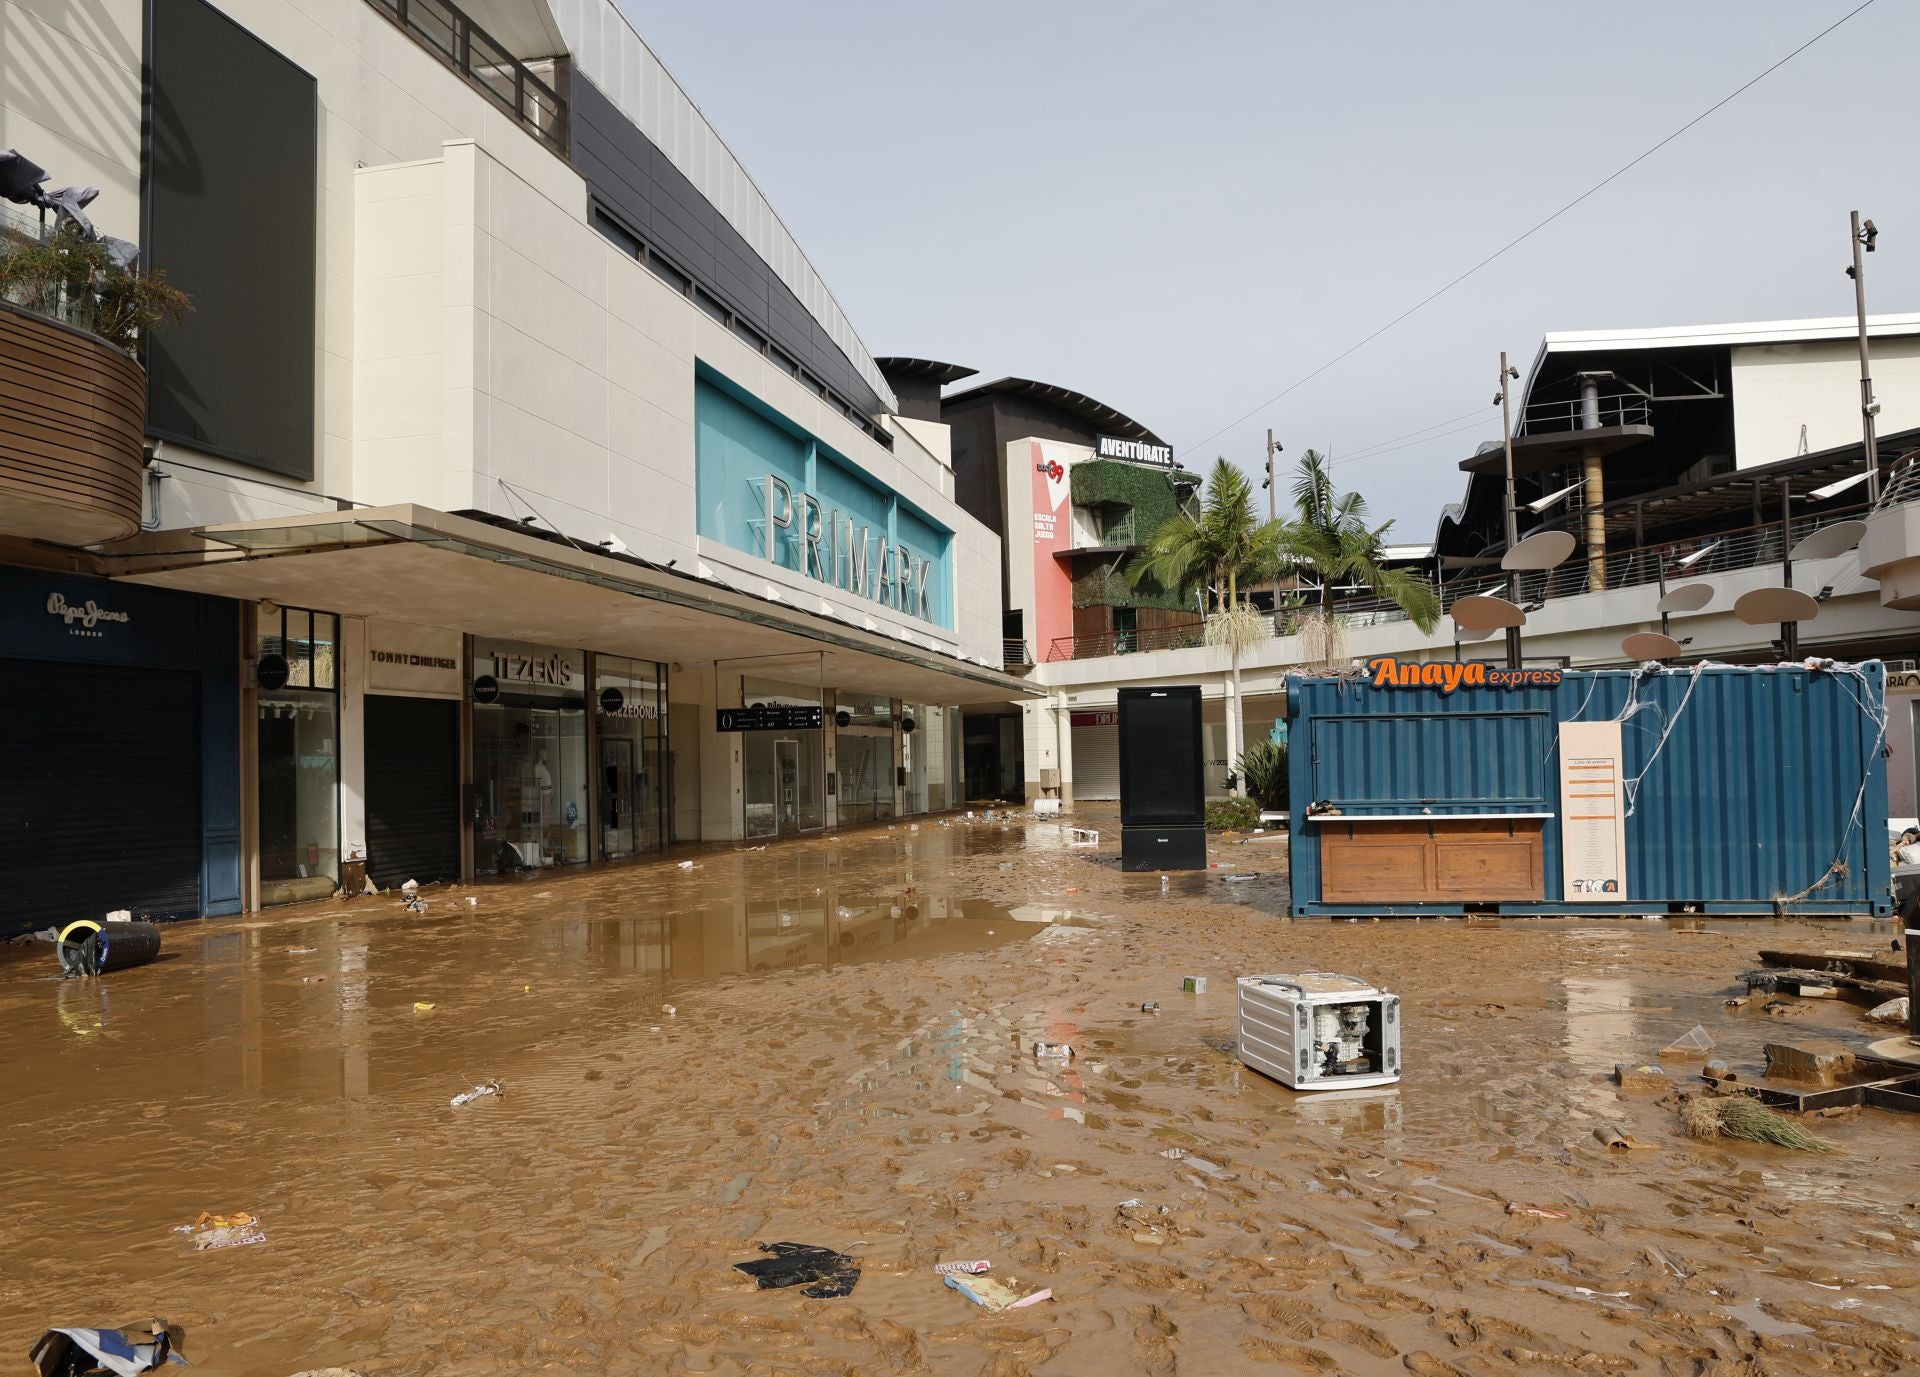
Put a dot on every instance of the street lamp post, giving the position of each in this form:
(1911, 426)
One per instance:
(1513, 522)
(1863, 236)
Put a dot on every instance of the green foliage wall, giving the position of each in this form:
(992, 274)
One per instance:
(1153, 495)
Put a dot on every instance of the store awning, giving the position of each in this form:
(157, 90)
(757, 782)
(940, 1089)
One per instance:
(434, 568)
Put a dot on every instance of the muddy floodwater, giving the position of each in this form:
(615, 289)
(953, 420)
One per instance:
(830, 1042)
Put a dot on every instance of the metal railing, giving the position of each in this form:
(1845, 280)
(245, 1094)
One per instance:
(1744, 548)
(1619, 409)
(445, 30)
(1014, 654)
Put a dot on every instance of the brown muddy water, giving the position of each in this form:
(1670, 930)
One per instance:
(849, 1065)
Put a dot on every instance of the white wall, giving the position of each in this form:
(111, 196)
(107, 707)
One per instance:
(1778, 388)
(70, 99)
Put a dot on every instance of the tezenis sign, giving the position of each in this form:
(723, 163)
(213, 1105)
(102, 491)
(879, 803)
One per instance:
(839, 550)
(1449, 675)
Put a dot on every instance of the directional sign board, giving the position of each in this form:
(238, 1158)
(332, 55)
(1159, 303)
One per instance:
(779, 718)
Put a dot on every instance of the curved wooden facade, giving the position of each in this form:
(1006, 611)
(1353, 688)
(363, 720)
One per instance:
(72, 426)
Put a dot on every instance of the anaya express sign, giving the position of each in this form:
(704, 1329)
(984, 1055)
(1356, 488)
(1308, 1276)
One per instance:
(1451, 675)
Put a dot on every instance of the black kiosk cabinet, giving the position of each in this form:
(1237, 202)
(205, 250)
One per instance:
(1163, 793)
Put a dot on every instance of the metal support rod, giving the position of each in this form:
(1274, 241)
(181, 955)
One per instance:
(1513, 521)
(1789, 631)
(1660, 566)
(1273, 486)
(1867, 406)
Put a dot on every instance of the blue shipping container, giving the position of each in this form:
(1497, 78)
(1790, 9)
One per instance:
(1747, 790)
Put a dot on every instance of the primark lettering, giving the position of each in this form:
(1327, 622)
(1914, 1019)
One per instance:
(838, 551)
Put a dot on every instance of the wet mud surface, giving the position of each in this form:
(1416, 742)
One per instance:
(848, 1063)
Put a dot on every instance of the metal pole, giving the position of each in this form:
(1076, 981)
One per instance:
(1789, 631)
(1513, 522)
(1272, 515)
(1866, 372)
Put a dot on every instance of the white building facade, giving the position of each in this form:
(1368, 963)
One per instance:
(514, 434)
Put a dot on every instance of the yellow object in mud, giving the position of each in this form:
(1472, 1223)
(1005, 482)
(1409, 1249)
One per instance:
(420, 1007)
(70, 928)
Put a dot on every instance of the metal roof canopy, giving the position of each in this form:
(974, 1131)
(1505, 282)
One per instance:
(931, 370)
(1095, 413)
(1537, 453)
(493, 577)
(1728, 493)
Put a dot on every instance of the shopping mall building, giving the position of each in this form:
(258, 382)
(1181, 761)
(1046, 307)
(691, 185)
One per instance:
(516, 494)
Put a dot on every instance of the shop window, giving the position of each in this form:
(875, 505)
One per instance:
(529, 757)
(784, 770)
(863, 751)
(632, 790)
(298, 729)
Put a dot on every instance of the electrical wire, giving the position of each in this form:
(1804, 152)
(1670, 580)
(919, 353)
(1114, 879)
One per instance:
(1365, 450)
(1519, 239)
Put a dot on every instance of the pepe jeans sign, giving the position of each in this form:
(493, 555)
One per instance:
(839, 550)
(1450, 675)
(84, 619)
(1133, 451)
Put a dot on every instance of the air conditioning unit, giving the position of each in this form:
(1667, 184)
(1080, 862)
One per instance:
(1319, 1031)
(1049, 777)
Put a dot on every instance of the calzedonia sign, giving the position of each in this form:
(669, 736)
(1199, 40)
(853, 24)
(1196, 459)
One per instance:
(1448, 676)
(1133, 451)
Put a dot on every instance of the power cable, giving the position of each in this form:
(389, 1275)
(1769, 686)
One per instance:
(1522, 238)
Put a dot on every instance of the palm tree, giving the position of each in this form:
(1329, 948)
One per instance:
(1221, 545)
(1329, 534)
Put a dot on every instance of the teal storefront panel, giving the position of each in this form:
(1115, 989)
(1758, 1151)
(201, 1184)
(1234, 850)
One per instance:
(829, 520)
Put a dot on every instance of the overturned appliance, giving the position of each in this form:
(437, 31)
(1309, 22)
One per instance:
(89, 948)
(1319, 1031)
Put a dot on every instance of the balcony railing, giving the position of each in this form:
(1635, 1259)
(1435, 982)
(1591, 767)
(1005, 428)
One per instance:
(446, 31)
(45, 296)
(1014, 654)
(1620, 409)
(1746, 548)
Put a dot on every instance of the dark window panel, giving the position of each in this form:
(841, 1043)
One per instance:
(230, 187)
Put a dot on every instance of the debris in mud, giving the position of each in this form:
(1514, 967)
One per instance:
(1060, 1051)
(968, 1268)
(1737, 1116)
(1194, 984)
(1538, 1211)
(1693, 1045)
(1200, 1164)
(1893, 1011)
(420, 1006)
(1820, 1061)
(994, 1295)
(825, 1273)
(479, 1092)
(1150, 1007)
(1647, 1076)
(123, 1352)
(236, 1230)
(1613, 1139)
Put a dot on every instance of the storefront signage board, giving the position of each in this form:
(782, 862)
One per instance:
(778, 718)
(1593, 832)
(412, 661)
(1108, 717)
(1450, 676)
(1133, 451)
(524, 666)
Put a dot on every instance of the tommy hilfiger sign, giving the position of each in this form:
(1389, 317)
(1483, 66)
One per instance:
(82, 620)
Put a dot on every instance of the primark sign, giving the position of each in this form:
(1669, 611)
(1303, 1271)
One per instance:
(843, 550)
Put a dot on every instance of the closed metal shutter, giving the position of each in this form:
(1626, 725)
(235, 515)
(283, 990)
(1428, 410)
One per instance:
(99, 793)
(1096, 762)
(413, 789)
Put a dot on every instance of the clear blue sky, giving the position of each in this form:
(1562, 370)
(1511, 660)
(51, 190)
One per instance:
(1181, 209)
